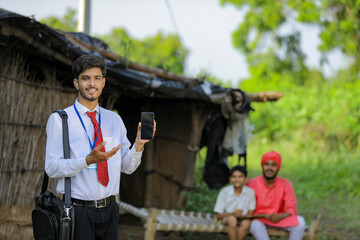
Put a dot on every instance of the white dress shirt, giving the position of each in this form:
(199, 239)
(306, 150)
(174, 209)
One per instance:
(228, 202)
(84, 180)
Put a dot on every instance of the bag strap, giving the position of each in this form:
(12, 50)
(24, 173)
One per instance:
(66, 146)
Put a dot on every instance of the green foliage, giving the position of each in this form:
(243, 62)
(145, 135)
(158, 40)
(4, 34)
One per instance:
(258, 36)
(65, 23)
(202, 199)
(326, 112)
(213, 79)
(340, 27)
(160, 51)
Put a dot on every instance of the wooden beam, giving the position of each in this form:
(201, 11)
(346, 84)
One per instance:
(199, 115)
(265, 96)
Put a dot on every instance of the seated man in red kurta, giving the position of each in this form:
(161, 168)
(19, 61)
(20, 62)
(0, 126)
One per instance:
(275, 200)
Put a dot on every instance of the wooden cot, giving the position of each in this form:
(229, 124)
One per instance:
(187, 221)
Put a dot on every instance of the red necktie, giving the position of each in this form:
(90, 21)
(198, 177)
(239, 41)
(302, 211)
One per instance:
(102, 167)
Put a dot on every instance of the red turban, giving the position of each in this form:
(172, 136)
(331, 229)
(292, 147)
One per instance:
(271, 156)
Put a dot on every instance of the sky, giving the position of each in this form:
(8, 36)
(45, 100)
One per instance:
(204, 26)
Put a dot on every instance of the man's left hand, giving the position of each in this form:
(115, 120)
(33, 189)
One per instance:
(275, 217)
(139, 143)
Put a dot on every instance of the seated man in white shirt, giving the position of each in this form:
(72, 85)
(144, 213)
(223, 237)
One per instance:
(234, 203)
(99, 151)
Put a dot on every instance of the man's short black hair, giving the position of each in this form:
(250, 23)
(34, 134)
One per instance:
(88, 61)
(238, 168)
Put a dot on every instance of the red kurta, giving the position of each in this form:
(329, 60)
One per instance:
(279, 198)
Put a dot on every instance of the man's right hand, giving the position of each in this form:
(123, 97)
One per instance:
(238, 213)
(278, 217)
(96, 156)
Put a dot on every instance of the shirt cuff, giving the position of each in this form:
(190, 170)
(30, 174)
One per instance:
(81, 163)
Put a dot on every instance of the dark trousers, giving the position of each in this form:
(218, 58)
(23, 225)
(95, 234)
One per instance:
(97, 223)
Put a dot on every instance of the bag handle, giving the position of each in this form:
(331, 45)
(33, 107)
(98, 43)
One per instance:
(66, 145)
(243, 155)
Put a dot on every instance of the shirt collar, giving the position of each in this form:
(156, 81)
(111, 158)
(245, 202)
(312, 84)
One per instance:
(82, 109)
(232, 191)
(264, 182)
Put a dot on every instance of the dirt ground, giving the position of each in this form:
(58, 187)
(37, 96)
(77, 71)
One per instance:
(131, 232)
(131, 228)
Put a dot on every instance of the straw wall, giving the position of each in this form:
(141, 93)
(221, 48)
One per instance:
(29, 93)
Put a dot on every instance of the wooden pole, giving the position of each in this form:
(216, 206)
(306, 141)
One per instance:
(265, 96)
(313, 230)
(84, 16)
(198, 118)
(150, 225)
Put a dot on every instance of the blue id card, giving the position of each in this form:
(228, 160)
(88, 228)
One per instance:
(92, 166)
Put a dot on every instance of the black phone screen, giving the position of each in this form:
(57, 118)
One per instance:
(147, 125)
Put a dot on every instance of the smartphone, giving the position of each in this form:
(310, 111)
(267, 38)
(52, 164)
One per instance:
(147, 125)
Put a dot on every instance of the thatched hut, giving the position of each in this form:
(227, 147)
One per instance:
(36, 79)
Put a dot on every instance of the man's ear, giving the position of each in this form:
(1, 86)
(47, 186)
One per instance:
(76, 83)
(104, 80)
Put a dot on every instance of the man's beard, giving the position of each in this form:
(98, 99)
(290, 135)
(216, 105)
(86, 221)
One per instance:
(82, 93)
(270, 178)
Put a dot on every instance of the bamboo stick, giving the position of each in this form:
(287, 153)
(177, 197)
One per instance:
(265, 96)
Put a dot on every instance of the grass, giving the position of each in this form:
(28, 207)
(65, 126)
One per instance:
(339, 215)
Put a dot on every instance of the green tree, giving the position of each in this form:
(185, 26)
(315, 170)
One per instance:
(338, 21)
(65, 23)
(160, 51)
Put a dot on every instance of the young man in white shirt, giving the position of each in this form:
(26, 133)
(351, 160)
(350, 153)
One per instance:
(234, 203)
(99, 151)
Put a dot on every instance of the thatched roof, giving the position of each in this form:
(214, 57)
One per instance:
(131, 77)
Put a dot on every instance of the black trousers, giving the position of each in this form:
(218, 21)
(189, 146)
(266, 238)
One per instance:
(97, 223)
